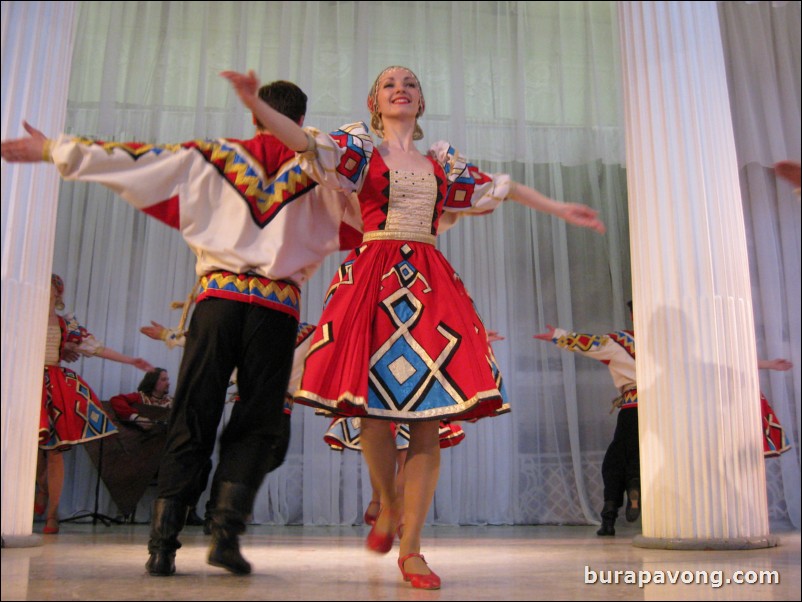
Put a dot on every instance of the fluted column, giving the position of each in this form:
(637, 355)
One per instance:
(37, 40)
(702, 474)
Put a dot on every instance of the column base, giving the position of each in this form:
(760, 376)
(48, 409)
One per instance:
(729, 543)
(22, 541)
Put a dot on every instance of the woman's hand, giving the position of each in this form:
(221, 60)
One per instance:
(143, 365)
(780, 364)
(493, 336)
(583, 216)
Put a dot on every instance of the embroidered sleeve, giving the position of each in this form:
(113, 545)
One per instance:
(87, 344)
(340, 159)
(469, 189)
(148, 176)
(596, 346)
(173, 338)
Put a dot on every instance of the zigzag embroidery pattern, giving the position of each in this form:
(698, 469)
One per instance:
(264, 198)
(626, 339)
(583, 342)
(273, 291)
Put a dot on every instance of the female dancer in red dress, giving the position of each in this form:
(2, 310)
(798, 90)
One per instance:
(71, 412)
(399, 338)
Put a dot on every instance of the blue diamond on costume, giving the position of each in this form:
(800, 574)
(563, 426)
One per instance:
(399, 371)
(96, 419)
(406, 271)
(404, 310)
(436, 397)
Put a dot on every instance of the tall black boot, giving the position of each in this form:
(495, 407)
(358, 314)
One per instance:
(633, 501)
(207, 517)
(193, 520)
(233, 504)
(608, 515)
(168, 519)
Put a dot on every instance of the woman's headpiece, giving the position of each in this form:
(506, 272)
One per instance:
(373, 104)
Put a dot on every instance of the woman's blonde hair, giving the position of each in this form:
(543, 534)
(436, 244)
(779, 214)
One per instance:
(373, 104)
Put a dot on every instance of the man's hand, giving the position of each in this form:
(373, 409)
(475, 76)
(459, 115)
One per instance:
(25, 150)
(546, 336)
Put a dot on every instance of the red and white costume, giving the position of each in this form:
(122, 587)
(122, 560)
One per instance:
(399, 337)
(71, 412)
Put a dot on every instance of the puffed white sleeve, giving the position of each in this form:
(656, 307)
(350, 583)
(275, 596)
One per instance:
(339, 159)
(469, 190)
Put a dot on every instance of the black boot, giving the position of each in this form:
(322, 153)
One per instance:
(193, 520)
(608, 515)
(633, 501)
(207, 518)
(168, 520)
(233, 504)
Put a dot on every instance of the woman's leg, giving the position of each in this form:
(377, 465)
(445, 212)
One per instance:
(399, 475)
(421, 471)
(55, 483)
(40, 496)
(401, 459)
(378, 448)
(374, 506)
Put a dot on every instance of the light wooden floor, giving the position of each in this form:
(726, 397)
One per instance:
(86, 562)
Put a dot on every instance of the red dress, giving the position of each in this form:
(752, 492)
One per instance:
(399, 337)
(775, 442)
(71, 412)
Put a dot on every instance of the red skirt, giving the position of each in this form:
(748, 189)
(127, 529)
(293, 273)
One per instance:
(400, 339)
(71, 412)
(774, 440)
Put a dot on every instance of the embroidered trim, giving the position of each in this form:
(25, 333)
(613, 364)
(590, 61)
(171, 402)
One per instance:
(399, 235)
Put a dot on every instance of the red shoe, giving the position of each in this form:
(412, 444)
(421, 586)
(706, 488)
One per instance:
(381, 543)
(430, 581)
(50, 529)
(370, 518)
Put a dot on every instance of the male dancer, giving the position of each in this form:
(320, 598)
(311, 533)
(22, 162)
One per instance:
(259, 228)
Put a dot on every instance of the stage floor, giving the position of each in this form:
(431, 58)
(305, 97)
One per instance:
(86, 562)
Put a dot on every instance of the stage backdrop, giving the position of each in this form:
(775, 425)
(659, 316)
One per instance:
(527, 88)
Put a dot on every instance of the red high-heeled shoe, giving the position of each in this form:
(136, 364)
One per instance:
(381, 543)
(430, 581)
(370, 518)
(49, 529)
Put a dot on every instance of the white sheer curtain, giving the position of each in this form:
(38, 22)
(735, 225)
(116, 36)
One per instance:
(526, 88)
(762, 50)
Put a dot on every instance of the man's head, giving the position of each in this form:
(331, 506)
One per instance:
(286, 98)
(156, 381)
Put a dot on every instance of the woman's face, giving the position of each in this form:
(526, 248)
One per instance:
(399, 94)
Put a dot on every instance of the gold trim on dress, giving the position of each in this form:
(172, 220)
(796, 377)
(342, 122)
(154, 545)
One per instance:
(399, 235)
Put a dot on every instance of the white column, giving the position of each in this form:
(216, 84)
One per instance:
(702, 474)
(37, 40)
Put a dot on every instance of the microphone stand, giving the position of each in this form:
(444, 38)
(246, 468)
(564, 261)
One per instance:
(95, 515)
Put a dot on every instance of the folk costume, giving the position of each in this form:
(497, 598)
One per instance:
(71, 411)
(399, 337)
(621, 464)
(259, 227)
